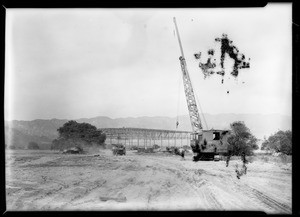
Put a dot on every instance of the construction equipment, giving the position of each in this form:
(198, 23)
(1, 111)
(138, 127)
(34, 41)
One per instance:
(206, 144)
(118, 149)
(73, 150)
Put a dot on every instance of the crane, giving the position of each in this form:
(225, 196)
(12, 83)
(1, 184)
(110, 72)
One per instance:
(203, 143)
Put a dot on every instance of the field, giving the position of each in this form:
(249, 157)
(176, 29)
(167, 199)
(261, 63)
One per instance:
(48, 180)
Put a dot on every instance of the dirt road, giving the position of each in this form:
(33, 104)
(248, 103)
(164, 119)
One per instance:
(37, 180)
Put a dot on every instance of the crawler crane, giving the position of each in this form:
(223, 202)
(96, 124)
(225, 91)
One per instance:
(206, 144)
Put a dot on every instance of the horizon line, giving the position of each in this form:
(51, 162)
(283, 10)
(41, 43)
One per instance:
(143, 116)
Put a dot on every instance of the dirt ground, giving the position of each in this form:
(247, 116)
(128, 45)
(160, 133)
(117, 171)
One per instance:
(47, 180)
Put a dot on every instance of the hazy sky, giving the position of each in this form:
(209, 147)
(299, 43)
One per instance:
(74, 63)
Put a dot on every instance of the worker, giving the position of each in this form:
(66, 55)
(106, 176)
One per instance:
(181, 152)
(229, 153)
(228, 157)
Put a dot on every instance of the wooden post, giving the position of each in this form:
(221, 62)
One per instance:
(145, 140)
(187, 138)
(175, 139)
(181, 139)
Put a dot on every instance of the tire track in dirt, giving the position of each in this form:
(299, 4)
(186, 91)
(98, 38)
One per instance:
(207, 188)
(262, 198)
(200, 187)
(114, 166)
(271, 202)
(68, 192)
(79, 195)
(123, 181)
(259, 198)
(156, 191)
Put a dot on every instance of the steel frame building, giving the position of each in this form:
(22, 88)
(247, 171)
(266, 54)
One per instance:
(142, 137)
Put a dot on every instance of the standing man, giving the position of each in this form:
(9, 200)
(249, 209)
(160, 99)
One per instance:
(229, 153)
(228, 157)
(181, 152)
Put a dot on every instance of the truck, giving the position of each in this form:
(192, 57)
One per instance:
(205, 144)
(118, 149)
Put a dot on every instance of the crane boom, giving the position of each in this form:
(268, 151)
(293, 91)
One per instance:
(189, 93)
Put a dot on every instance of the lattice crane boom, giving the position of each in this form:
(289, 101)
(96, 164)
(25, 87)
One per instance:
(188, 89)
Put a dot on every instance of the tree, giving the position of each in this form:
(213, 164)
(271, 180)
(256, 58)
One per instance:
(83, 131)
(280, 141)
(33, 145)
(241, 141)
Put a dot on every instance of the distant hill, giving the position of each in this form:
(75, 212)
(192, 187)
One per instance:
(21, 139)
(42, 131)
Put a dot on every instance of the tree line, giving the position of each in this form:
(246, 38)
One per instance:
(280, 141)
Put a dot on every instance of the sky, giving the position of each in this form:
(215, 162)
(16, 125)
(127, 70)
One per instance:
(83, 63)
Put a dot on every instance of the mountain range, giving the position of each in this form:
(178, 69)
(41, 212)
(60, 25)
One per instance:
(44, 131)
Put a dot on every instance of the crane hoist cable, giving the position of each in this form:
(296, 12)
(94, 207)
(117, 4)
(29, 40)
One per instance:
(178, 101)
(179, 88)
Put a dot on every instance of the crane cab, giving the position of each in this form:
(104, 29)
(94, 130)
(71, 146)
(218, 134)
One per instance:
(209, 143)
